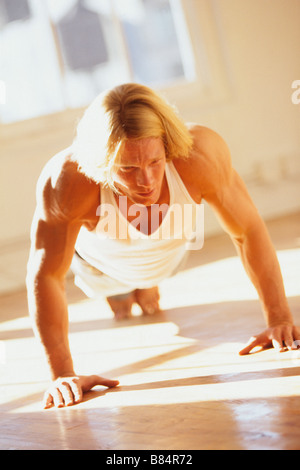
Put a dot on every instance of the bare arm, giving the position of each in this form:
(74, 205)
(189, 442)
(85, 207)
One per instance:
(49, 261)
(251, 239)
(226, 193)
(57, 220)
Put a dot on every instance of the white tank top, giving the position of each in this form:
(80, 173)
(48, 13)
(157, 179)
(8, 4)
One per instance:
(118, 249)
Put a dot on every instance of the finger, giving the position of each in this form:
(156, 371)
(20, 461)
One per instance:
(288, 337)
(252, 343)
(76, 390)
(57, 398)
(277, 345)
(67, 393)
(47, 401)
(110, 383)
(296, 336)
(93, 380)
(277, 340)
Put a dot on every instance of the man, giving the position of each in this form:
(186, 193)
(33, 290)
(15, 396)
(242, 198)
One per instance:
(133, 153)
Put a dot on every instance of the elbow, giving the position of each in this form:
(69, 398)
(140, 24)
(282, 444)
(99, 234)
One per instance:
(38, 277)
(239, 240)
(253, 235)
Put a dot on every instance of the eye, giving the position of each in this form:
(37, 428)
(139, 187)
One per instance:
(127, 169)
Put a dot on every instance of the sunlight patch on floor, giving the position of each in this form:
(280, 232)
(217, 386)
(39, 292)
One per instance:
(225, 280)
(270, 387)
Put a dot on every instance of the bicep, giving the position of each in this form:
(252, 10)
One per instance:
(56, 224)
(52, 245)
(234, 207)
(222, 187)
(55, 246)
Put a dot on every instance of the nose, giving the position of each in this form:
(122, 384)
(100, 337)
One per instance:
(144, 178)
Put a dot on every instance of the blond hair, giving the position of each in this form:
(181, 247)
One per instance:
(128, 111)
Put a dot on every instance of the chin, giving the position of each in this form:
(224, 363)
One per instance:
(146, 200)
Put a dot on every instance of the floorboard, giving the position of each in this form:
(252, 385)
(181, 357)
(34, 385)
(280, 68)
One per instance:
(182, 383)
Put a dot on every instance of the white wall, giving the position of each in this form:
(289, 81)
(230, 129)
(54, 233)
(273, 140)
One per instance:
(258, 46)
(261, 44)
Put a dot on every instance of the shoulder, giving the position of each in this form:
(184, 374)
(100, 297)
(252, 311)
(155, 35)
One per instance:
(63, 191)
(208, 166)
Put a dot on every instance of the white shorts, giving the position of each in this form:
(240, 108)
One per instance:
(95, 283)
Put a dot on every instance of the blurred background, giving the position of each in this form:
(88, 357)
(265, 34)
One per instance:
(232, 65)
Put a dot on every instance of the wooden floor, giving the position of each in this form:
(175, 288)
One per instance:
(183, 384)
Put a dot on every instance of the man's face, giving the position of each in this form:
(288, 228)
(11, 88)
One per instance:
(140, 172)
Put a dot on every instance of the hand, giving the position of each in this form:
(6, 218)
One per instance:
(280, 337)
(66, 391)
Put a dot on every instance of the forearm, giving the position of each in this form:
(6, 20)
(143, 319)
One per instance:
(49, 312)
(261, 264)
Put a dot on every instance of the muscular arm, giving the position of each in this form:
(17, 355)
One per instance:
(65, 200)
(226, 193)
(251, 239)
(49, 261)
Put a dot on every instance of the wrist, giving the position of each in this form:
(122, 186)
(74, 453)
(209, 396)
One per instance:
(273, 324)
(278, 313)
(57, 374)
(276, 320)
(61, 367)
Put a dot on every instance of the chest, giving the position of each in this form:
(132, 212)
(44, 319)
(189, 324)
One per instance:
(146, 219)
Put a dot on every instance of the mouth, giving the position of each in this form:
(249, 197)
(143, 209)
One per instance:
(146, 194)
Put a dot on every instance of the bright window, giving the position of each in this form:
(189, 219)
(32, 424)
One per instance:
(57, 55)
